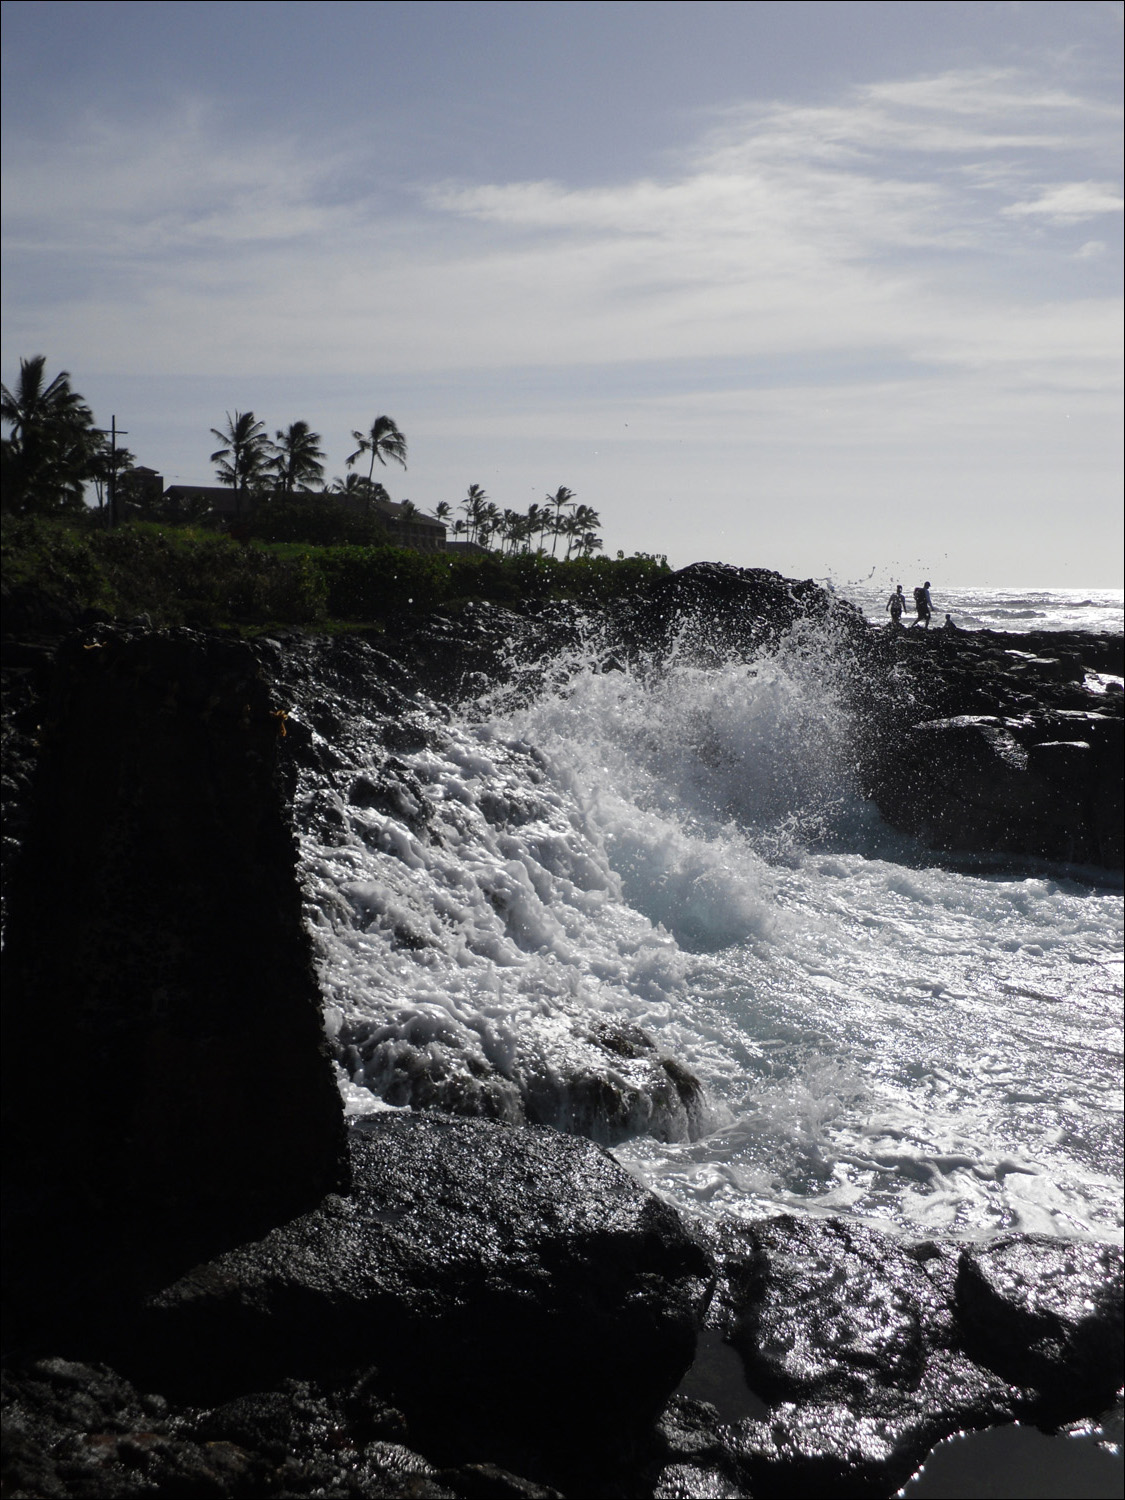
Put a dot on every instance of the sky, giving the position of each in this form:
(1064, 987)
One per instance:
(831, 288)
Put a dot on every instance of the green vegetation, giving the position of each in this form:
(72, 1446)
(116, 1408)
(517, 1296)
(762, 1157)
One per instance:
(181, 576)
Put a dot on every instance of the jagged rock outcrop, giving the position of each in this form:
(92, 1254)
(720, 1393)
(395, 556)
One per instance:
(978, 744)
(499, 1312)
(867, 1352)
(714, 610)
(166, 1084)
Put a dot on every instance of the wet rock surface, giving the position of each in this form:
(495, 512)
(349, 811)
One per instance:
(1043, 1314)
(517, 1280)
(445, 1329)
(868, 1352)
(995, 743)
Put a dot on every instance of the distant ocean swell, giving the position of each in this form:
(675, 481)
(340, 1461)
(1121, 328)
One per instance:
(1002, 608)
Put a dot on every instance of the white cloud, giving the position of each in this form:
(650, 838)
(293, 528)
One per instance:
(1068, 202)
(786, 229)
(959, 112)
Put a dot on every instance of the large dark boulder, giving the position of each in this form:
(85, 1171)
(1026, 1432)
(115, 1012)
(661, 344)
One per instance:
(166, 1085)
(869, 1352)
(513, 1284)
(979, 745)
(1046, 787)
(713, 611)
(1044, 1312)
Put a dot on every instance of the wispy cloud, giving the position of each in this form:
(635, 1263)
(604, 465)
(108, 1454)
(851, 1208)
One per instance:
(1070, 202)
(849, 225)
(186, 182)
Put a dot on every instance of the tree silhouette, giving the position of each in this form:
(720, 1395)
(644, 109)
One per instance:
(242, 461)
(109, 469)
(476, 507)
(560, 500)
(579, 527)
(53, 443)
(382, 440)
(296, 459)
(538, 519)
(359, 487)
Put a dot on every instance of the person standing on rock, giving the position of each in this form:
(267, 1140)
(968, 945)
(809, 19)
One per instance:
(896, 604)
(924, 605)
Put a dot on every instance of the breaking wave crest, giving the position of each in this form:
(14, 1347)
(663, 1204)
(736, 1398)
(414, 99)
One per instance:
(646, 901)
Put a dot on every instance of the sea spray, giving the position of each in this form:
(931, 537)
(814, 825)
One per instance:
(582, 889)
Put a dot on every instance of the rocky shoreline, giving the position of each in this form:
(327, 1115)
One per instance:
(212, 1288)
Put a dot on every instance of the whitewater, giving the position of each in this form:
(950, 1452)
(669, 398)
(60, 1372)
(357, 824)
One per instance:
(579, 892)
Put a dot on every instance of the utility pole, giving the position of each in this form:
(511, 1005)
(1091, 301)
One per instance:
(111, 481)
(113, 471)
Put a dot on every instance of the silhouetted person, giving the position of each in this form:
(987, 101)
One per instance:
(896, 604)
(923, 605)
(949, 625)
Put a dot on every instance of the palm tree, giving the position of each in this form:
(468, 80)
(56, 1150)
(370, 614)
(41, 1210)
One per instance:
(356, 487)
(511, 529)
(560, 500)
(243, 459)
(537, 522)
(382, 440)
(475, 506)
(108, 467)
(579, 527)
(48, 457)
(491, 523)
(297, 456)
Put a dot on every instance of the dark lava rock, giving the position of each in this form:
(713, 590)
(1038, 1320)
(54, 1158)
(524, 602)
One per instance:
(829, 1309)
(870, 1352)
(992, 743)
(694, 1454)
(81, 1430)
(984, 783)
(842, 1331)
(513, 1283)
(1045, 1313)
(155, 919)
(716, 610)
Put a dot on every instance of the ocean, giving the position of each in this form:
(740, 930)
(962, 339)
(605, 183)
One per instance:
(681, 856)
(999, 609)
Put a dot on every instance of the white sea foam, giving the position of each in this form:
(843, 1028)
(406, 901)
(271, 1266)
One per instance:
(685, 852)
